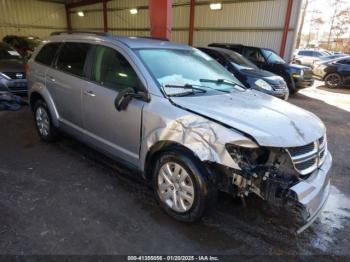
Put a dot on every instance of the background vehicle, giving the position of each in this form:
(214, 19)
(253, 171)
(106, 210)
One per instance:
(182, 120)
(335, 73)
(25, 45)
(296, 76)
(308, 56)
(248, 73)
(12, 72)
(327, 58)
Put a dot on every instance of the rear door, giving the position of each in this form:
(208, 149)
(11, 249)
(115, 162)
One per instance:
(343, 68)
(43, 61)
(66, 80)
(115, 132)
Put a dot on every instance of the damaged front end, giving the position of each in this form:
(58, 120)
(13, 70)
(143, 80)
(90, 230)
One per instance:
(294, 178)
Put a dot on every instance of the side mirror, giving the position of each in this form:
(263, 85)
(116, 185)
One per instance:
(126, 95)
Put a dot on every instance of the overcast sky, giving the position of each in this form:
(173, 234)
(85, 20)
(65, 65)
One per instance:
(326, 13)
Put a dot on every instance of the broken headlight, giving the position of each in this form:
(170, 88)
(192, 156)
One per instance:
(247, 157)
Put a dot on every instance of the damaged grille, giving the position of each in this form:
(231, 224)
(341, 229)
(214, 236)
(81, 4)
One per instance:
(309, 157)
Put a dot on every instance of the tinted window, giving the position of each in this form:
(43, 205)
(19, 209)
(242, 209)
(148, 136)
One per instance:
(72, 58)
(305, 53)
(254, 55)
(344, 61)
(47, 53)
(112, 70)
(6, 52)
(272, 57)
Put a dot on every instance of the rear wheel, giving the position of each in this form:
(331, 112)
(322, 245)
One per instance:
(181, 186)
(333, 80)
(46, 130)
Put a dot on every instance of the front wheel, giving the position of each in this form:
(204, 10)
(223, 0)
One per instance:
(333, 80)
(181, 186)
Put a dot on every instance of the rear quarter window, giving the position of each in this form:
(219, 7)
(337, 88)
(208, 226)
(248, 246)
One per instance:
(47, 54)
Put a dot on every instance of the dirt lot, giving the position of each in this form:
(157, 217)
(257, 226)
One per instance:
(65, 198)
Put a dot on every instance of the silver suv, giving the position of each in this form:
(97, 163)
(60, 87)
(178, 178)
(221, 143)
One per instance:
(180, 118)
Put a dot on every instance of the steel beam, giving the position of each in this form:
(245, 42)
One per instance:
(286, 27)
(160, 13)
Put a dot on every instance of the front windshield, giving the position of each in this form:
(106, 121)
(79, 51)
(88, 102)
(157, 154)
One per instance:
(180, 67)
(239, 60)
(272, 57)
(7, 53)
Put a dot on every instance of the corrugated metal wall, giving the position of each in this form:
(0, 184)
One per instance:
(31, 17)
(251, 22)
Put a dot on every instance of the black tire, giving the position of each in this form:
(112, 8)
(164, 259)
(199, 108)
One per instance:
(333, 80)
(292, 88)
(52, 133)
(204, 191)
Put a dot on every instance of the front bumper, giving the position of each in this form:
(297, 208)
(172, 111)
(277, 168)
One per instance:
(312, 193)
(303, 82)
(282, 93)
(14, 86)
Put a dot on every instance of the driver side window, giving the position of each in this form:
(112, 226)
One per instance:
(112, 70)
(254, 55)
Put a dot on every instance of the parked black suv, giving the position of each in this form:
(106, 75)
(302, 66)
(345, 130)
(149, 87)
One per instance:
(248, 73)
(296, 76)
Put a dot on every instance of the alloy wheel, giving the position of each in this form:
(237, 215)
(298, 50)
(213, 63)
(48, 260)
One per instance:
(42, 121)
(333, 80)
(175, 187)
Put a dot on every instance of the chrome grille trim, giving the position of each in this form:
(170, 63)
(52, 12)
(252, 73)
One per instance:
(308, 158)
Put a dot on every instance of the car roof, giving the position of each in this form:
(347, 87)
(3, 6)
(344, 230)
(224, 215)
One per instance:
(219, 49)
(130, 41)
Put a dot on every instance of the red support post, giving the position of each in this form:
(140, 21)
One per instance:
(286, 27)
(191, 25)
(105, 22)
(69, 21)
(160, 12)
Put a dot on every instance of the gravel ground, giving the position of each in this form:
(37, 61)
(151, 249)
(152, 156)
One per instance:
(65, 198)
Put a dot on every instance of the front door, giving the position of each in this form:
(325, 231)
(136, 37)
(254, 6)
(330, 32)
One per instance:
(116, 132)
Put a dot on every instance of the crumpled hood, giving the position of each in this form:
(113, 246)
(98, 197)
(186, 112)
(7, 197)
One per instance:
(270, 121)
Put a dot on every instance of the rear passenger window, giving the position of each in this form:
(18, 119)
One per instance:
(72, 58)
(47, 54)
(112, 70)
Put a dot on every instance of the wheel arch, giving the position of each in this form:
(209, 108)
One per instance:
(159, 147)
(43, 94)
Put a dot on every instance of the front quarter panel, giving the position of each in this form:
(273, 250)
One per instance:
(165, 122)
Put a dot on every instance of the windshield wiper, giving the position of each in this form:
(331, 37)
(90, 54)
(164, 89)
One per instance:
(193, 88)
(222, 81)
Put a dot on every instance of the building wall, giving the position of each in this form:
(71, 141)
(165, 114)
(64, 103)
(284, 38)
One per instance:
(251, 22)
(31, 17)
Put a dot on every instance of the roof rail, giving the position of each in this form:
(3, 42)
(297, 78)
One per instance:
(154, 38)
(81, 32)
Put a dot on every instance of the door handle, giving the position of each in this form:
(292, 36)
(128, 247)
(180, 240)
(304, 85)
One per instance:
(89, 93)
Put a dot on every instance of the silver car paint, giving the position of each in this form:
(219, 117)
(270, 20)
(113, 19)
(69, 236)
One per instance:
(240, 118)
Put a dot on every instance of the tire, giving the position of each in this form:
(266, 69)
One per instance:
(292, 88)
(190, 203)
(333, 80)
(43, 122)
